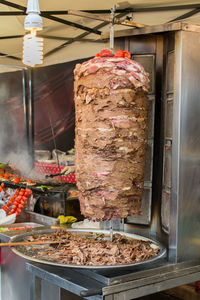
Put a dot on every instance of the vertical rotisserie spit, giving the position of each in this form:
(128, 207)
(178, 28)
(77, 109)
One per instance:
(111, 135)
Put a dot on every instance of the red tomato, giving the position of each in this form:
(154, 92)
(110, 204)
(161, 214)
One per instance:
(21, 193)
(127, 54)
(21, 206)
(5, 207)
(119, 53)
(105, 53)
(2, 185)
(16, 192)
(122, 53)
(6, 174)
(29, 181)
(24, 198)
(16, 180)
(28, 191)
(18, 199)
(26, 194)
(18, 212)
(12, 199)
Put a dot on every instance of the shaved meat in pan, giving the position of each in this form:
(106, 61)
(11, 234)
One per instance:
(91, 249)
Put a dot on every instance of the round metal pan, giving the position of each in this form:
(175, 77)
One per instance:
(21, 250)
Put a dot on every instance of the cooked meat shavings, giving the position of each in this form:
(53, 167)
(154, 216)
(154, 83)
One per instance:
(91, 250)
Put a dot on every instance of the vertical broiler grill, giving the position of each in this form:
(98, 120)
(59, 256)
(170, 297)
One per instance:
(171, 210)
(170, 206)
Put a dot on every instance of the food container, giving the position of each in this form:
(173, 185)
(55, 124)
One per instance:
(42, 154)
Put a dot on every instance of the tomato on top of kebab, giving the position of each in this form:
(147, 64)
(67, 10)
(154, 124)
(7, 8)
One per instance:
(119, 53)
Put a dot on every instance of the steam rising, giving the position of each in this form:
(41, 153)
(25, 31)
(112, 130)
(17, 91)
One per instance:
(13, 148)
(13, 144)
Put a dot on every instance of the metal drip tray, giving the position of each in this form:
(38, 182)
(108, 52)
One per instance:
(31, 252)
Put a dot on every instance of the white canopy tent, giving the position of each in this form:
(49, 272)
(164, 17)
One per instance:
(68, 37)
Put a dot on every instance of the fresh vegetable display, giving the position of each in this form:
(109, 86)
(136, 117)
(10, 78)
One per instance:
(17, 201)
(13, 177)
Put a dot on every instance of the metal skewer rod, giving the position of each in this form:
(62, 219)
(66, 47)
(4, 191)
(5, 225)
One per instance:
(112, 28)
(104, 19)
(111, 230)
(112, 50)
(54, 141)
(29, 243)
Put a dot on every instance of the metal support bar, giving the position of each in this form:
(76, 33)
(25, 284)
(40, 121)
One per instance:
(104, 11)
(10, 37)
(45, 15)
(187, 15)
(106, 19)
(80, 36)
(25, 105)
(144, 9)
(112, 28)
(76, 25)
(9, 56)
(53, 37)
(31, 115)
(35, 290)
(14, 5)
(107, 11)
(62, 38)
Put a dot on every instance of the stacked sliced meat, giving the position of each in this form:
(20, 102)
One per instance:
(111, 136)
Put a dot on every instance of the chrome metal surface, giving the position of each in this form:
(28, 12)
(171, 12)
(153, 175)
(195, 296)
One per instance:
(113, 8)
(118, 284)
(15, 281)
(35, 217)
(129, 291)
(23, 253)
(175, 199)
(184, 207)
(176, 26)
(68, 279)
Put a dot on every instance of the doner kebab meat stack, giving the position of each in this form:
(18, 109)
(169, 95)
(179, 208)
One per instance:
(111, 135)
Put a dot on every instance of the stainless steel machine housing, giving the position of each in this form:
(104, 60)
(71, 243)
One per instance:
(171, 202)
